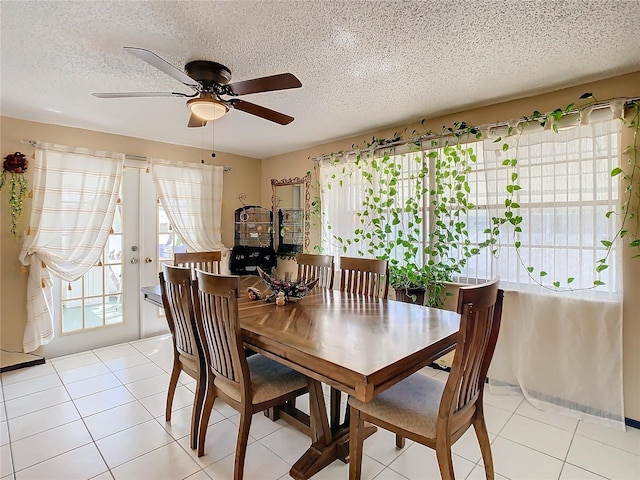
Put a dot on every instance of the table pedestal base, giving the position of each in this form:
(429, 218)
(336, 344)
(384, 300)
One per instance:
(321, 454)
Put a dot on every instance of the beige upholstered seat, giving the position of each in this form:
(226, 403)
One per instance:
(188, 355)
(316, 266)
(434, 413)
(205, 261)
(249, 385)
(364, 276)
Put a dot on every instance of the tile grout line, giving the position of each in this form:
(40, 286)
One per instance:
(14, 471)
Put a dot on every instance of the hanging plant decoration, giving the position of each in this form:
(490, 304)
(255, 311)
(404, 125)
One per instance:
(14, 166)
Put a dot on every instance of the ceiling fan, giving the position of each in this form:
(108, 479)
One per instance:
(210, 82)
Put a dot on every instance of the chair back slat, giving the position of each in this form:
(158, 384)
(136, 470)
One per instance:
(175, 287)
(481, 310)
(217, 316)
(316, 266)
(205, 261)
(364, 276)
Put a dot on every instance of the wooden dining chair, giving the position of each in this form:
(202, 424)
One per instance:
(205, 261)
(249, 385)
(188, 354)
(434, 413)
(361, 276)
(316, 266)
(364, 276)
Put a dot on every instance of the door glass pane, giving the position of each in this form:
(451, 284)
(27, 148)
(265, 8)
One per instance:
(95, 299)
(168, 242)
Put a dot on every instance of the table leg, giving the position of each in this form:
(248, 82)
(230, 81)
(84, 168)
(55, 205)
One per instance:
(335, 407)
(330, 443)
(323, 451)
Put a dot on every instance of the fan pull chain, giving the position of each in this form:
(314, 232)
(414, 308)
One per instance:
(213, 139)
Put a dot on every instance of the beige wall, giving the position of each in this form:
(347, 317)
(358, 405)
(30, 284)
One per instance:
(13, 283)
(298, 163)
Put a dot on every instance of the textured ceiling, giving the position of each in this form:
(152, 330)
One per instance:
(363, 64)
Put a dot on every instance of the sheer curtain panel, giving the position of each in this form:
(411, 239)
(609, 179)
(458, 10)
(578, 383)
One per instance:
(74, 199)
(561, 349)
(340, 206)
(191, 195)
(343, 188)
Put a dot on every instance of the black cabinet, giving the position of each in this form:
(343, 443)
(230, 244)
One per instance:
(245, 260)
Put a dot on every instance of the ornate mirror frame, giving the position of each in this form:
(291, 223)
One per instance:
(275, 201)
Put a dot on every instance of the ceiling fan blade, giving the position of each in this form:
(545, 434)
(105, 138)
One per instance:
(262, 112)
(141, 94)
(282, 81)
(164, 66)
(195, 121)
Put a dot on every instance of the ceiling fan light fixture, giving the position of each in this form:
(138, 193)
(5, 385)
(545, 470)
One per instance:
(207, 108)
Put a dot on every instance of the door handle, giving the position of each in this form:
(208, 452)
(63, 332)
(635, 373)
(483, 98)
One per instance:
(135, 261)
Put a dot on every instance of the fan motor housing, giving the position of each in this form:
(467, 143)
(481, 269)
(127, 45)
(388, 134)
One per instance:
(207, 73)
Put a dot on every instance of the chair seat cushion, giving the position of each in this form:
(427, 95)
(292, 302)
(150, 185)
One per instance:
(269, 380)
(411, 404)
(189, 361)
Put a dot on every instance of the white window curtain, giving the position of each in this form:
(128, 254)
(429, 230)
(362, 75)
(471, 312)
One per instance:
(341, 195)
(567, 189)
(191, 195)
(75, 192)
(562, 350)
(342, 189)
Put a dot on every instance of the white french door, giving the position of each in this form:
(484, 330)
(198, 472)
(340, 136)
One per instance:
(105, 306)
(155, 248)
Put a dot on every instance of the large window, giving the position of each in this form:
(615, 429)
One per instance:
(565, 191)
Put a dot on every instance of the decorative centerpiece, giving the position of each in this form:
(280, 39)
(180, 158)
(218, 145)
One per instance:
(291, 291)
(14, 166)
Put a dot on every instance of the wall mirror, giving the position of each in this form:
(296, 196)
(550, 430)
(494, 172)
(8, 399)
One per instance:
(290, 203)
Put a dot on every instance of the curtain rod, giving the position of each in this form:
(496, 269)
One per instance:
(127, 156)
(426, 136)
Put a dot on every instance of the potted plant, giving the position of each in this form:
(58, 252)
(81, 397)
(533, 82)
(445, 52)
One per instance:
(420, 285)
(397, 203)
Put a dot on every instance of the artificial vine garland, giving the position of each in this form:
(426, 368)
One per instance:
(15, 165)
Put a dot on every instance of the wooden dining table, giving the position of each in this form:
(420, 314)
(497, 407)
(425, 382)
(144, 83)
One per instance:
(358, 345)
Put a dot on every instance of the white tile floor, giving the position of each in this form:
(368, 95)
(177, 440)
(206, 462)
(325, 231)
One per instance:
(100, 415)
